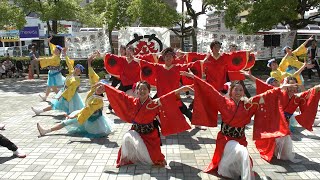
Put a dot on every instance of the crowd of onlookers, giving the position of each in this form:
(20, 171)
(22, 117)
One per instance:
(8, 69)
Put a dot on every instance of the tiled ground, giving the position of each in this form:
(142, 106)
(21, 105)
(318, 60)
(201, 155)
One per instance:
(63, 156)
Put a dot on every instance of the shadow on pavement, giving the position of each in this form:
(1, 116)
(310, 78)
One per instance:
(57, 117)
(185, 138)
(25, 86)
(303, 166)
(5, 159)
(297, 135)
(101, 141)
(173, 170)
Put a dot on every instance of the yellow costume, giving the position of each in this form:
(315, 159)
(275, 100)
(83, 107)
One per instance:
(54, 60)
(279, 75)
(72, 82)
(93, 102)
(288, 62)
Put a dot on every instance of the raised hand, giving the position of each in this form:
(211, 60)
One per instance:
(91, 58)
(311, 38)
(187, 74)
(49, 39)
(64, 50)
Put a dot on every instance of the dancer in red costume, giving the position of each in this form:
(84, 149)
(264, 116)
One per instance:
(141, 144)
(123, 67)
(307, 101)
(167, 77)
(231, 157)
(215, 69)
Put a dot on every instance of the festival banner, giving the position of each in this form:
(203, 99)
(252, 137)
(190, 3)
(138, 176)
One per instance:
(81, 44)
(145, 39)
(245, 42)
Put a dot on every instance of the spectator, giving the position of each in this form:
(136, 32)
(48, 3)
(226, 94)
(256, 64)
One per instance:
(34, 63)
(9, 67)
(2, 71)
(312, 55)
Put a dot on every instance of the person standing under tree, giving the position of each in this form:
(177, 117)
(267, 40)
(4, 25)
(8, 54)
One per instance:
(312, 54)
(33, 62)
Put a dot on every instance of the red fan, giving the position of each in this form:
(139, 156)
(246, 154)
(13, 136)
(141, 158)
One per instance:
(147, 73)
(251, 61)
(237, 61)
(112, 64)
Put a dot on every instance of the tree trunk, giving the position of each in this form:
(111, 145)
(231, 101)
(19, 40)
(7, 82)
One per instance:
(110, 41)
(55, 27)
(49, 27)
(194, 35)
(194, 41)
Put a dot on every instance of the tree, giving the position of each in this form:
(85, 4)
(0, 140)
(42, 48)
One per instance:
(115, 14)
(52, 10)
(11, 16)
(109, 13)
(153, 13)
(265, 14)
(186, 31)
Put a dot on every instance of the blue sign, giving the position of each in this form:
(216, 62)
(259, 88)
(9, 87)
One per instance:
(30, 32)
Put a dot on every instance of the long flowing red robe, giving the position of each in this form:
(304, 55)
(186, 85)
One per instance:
(130, 109)
(129, 73)
(307, 101)
(236, 115)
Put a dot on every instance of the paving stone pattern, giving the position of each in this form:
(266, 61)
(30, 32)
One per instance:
(63, 156)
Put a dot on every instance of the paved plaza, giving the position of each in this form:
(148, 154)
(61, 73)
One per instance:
(59, 155)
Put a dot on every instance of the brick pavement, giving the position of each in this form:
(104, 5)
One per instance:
(63, 156)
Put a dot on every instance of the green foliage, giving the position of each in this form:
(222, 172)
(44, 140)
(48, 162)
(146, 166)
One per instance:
(11, 16)
(111, 13)
(52, 10)
(153, 13)
(264, 14)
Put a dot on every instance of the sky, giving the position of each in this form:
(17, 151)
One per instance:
(196, 4)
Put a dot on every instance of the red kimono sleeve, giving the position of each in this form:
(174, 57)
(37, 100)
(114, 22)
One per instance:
(262, 87)
(194, 56)
(308, 108)
(148, 57)
(148, 72)
(206, 104)
(195, 68)
(113, 64)
(121, 103)
(172, 121)
(269, 120)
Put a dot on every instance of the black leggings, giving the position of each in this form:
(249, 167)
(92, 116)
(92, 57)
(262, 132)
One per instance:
(5, 142)
(115, 81)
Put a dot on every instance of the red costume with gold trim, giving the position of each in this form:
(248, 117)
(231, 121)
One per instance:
(237, 115)
(130, 110)
(307, 101)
